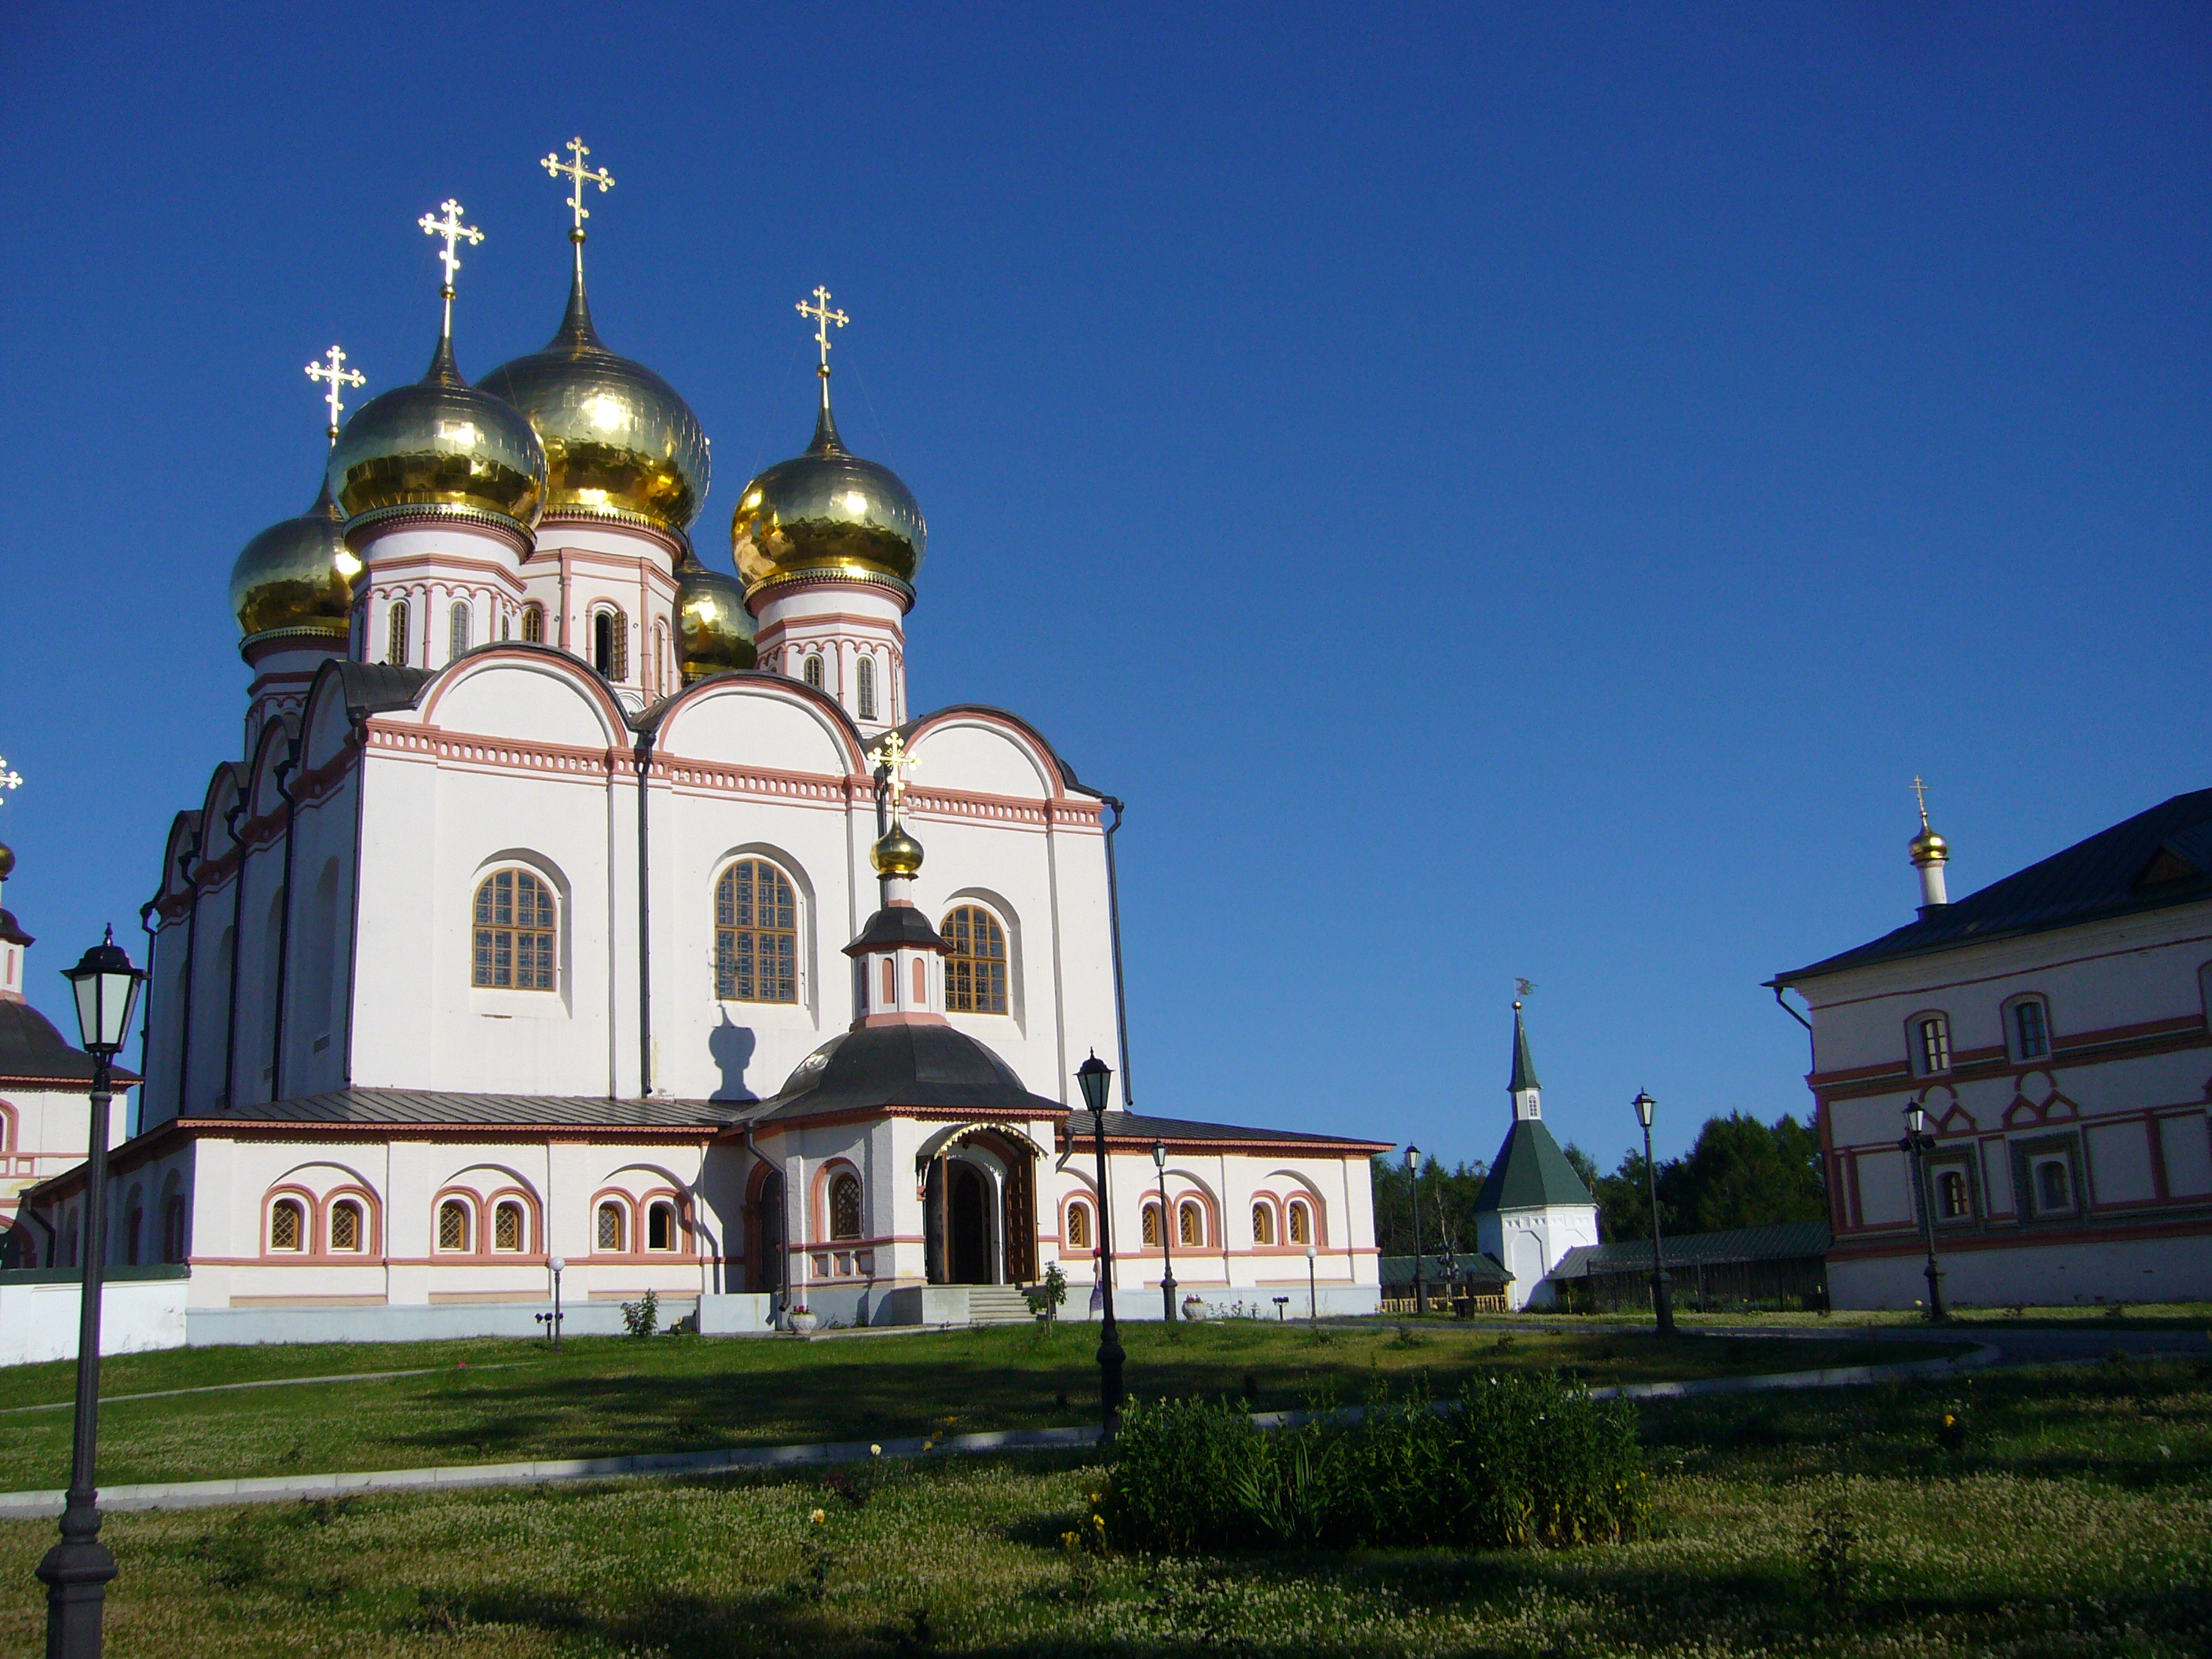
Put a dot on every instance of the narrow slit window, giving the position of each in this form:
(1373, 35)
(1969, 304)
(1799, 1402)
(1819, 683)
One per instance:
(395, 634)
(863, 687)
(457, 628)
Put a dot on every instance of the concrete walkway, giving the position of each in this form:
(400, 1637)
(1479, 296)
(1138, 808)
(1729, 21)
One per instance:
(269, 1489)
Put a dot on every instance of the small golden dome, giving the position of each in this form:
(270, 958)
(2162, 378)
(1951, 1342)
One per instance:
(1929, 847)
(296, 577)
(828, 512)
(619, 442)
(895, 852)
(6, 860)
(439, 445)
(715, 630)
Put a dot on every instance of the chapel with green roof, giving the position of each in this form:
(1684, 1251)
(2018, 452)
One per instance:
(1534, 1208)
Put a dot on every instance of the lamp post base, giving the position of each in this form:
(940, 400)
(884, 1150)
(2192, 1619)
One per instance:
(1662, 1301)
(76, 1572)
(1167, 1298)
(1934, 1275)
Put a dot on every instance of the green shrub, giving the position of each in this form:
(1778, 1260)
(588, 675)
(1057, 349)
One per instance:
(643, 1318)
(1513, 1462)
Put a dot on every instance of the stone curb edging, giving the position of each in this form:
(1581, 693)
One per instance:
(200, 1494)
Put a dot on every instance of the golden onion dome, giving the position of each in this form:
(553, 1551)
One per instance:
(828, 512)
(619, 443)
(1929, 847)
(714, 629)
(895, 852)
(296, 577)
(438, 447)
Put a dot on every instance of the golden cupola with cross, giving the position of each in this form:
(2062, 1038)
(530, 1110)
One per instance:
(620, 444)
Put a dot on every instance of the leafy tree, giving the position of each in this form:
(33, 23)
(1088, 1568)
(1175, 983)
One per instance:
(1447, 1206)
(1740, 1173)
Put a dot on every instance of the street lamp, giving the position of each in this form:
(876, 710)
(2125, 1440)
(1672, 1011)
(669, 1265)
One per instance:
(556, 1264)
(1313, 1296)
(1662, 1299)
(77, 1570)
(1919, 1143)
(1413, 1170)
(1093, 1075)
(1167, 1230)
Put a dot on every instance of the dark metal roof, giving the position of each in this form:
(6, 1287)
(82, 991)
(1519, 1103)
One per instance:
(883, 1066)
(2152, 862)
(1524, 1063)
(373, 688)
(1530, 1173)
(32, 1051)
(1132, 1125)
(407, 1106)
(897, 925)
(1784, 1240)
(1475, 1270)
(12, 930)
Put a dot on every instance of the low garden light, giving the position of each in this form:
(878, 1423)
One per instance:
(1662, 1297)
(1167, 1230)
(1093, 1077)
(77, 1570)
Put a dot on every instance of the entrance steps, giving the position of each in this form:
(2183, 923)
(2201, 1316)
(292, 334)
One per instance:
(998, 1304)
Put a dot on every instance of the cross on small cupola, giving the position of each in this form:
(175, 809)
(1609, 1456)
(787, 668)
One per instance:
(333, 370)
(454, 232)
(581, 179)
(898, 971)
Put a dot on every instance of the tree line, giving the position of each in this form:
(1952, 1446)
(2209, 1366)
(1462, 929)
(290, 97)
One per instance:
(1740, 1173)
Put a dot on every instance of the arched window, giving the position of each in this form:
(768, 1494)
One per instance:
(508, 1230)
(2027, 1024)
(134, 1223)
(1300, 1223)
(1191, 1229)
(1951, 1194)
(610, 644)
(1152, 1231)
(505, 624)
(453, 1226)
(660, 1227)
(395, 634)
(863, 687)
(613, 1224)
(533, 623)
(173, 1228)
(288, 1224)
(975, 972)
(890, 983)
(1263, 1224)
(2053, 1190)
(920, 984)
(457, 628)
(1932, 1037)
(1078, 1226)
(517, 932)
(844, 1205)
(810, 670)
(345, 1225)
(756, 935)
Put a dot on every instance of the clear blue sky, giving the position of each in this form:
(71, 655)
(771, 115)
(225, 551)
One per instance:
(1497, 490)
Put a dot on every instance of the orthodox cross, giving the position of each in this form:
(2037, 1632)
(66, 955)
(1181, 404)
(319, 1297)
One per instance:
(454, 231)
(893, 760)
(578, 177)
(333, 369)
(14, 780)
(822, 317)
(1920, 792)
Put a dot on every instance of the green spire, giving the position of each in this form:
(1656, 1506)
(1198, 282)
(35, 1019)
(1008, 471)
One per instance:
(1524, 1063)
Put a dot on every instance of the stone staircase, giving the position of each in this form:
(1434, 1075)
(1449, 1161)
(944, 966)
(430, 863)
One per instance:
(997, 1304)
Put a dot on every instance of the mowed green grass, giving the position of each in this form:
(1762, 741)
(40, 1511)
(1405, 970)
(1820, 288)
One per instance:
(2074, 1519)
(492, 1401)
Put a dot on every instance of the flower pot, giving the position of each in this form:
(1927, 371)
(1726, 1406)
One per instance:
(1193, 1308)
(801, 1324)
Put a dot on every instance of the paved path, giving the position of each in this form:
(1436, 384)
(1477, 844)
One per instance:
(271, 1383)
(194, 1494)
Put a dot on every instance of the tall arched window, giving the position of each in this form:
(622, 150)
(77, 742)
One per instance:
(660, 1227)
(453, 1226)
(2053, 1190)
(810, 670)
(1150, 1231)
(1078, 1226)
(395, 634)
(508, 1231)
(1951, 1194)
(1191, 1228)
(975, 972)
(346, 1230)
(1263, 1224)
(1300, 1223)
(288, 1224)
(844, 1205)
(134, 1222)
(610, 644)
(2029, 1019)
(660, 657)
(890, 983)
(613, 1225)
(533, 623)
(756, 935)
(517, 932)
(1933, 1037)
(863, 687)
(457, 628)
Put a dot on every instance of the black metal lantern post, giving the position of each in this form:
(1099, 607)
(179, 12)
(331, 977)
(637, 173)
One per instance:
(77, 1570)
(1918, 1143)
(1094, 1075)
(1662, 1295)
(1414, 1172)
(1167, 1235)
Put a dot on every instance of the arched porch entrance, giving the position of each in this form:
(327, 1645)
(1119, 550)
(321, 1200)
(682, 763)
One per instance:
(979, 1207)
(765, 1257)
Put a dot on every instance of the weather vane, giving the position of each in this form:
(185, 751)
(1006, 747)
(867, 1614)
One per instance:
(333, 369)
(1522, 987)
(822, 317)
(893, 760)
(454, 232)
(580, 177)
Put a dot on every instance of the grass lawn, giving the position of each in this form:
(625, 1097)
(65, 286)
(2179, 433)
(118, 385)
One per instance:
(609, 1396)
(2074, 1517)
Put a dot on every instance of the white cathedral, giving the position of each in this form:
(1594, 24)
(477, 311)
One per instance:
(568, 903)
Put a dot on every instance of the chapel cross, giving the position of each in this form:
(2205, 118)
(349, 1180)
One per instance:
(578, 177)
(340, 377)
(7, 781)
(822, 317)
(1920, 792)
(892, 759)
(454, 231)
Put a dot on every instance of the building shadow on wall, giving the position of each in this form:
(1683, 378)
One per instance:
(732, 1046)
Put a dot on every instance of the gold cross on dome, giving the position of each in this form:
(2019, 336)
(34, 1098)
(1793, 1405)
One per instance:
(822, 317)
(333, 369)
(454, 232)
(578, 177)
(1920, 792)
(892, 759)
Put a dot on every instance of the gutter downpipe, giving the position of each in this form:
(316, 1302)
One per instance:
(146, 1004)
(1114, 916)
(237, 927)
(644, 759)
(1811, 1053)
(284, 925)
(353, 900)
